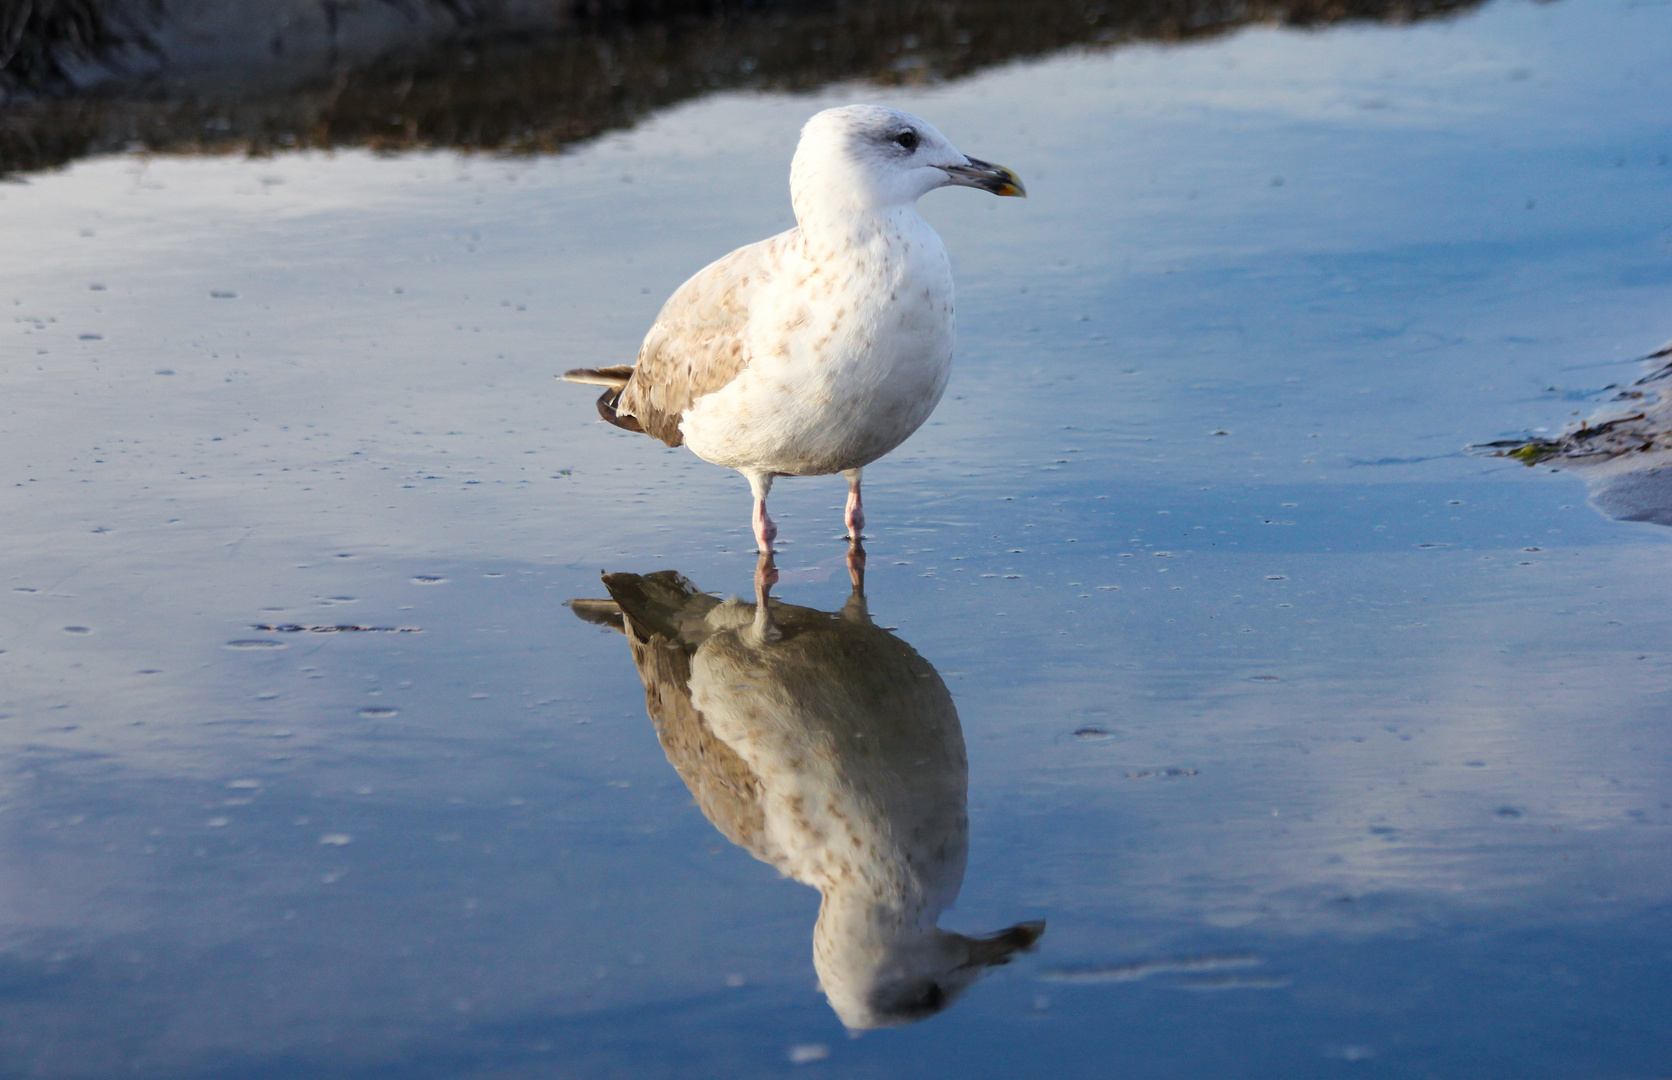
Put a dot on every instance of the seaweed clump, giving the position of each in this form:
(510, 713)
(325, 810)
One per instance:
(1593, 441)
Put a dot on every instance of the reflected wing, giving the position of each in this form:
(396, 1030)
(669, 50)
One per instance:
(662, 617)
(697, 344)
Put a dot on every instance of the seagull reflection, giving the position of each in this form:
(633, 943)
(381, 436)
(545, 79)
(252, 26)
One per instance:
(827, 747)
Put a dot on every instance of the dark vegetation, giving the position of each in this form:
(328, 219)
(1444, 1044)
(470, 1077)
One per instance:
(591, 66)
(38, 38)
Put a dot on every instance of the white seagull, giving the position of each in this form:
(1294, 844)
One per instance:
(820, 349)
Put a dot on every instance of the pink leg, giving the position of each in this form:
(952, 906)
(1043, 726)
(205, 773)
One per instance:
(765, 531)
(856, 511)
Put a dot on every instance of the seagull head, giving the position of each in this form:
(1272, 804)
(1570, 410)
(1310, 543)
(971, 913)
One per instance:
(885, 980)
(868, 158)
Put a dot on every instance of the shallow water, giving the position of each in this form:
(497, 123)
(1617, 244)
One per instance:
(1319, 743)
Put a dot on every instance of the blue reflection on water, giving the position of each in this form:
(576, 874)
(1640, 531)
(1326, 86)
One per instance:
(1321, 743)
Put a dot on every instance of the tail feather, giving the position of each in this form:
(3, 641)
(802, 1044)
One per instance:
(613, 377)
(664, 603)
(614, 381)
(599, 612)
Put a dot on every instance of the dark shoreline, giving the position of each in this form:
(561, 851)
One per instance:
(489, 77)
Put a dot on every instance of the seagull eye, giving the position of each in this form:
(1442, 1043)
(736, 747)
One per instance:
(907, 140)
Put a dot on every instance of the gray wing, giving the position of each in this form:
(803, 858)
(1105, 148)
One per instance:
(696, 345)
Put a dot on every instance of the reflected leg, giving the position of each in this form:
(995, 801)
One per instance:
(856, 607)
(766, 576)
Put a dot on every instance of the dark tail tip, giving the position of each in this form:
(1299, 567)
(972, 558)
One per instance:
(606, 409)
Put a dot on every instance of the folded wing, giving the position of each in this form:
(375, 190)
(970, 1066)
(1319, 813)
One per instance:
(698, 344)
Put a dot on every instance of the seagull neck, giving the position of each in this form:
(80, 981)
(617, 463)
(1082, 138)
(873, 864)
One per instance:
(856, 228)
(863, 912)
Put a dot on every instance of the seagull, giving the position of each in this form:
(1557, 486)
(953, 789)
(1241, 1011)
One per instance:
(821, 349)
(828, 748)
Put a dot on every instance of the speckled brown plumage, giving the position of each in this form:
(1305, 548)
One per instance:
(696, 345)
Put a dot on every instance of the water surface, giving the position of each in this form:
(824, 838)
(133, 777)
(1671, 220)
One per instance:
(1319, 743)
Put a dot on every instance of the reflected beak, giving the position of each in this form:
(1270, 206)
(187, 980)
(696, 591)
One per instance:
(986, 176)
(998, 948)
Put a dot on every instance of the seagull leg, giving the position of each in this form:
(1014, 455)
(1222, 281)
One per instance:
(856, 512)
(765, 530)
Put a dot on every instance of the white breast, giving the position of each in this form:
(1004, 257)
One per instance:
(849, 352)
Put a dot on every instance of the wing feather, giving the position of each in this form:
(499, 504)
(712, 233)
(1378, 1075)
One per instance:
(698, 343)
(662, 614)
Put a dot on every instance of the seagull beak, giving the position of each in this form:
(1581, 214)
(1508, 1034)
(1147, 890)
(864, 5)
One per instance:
(986, 176)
